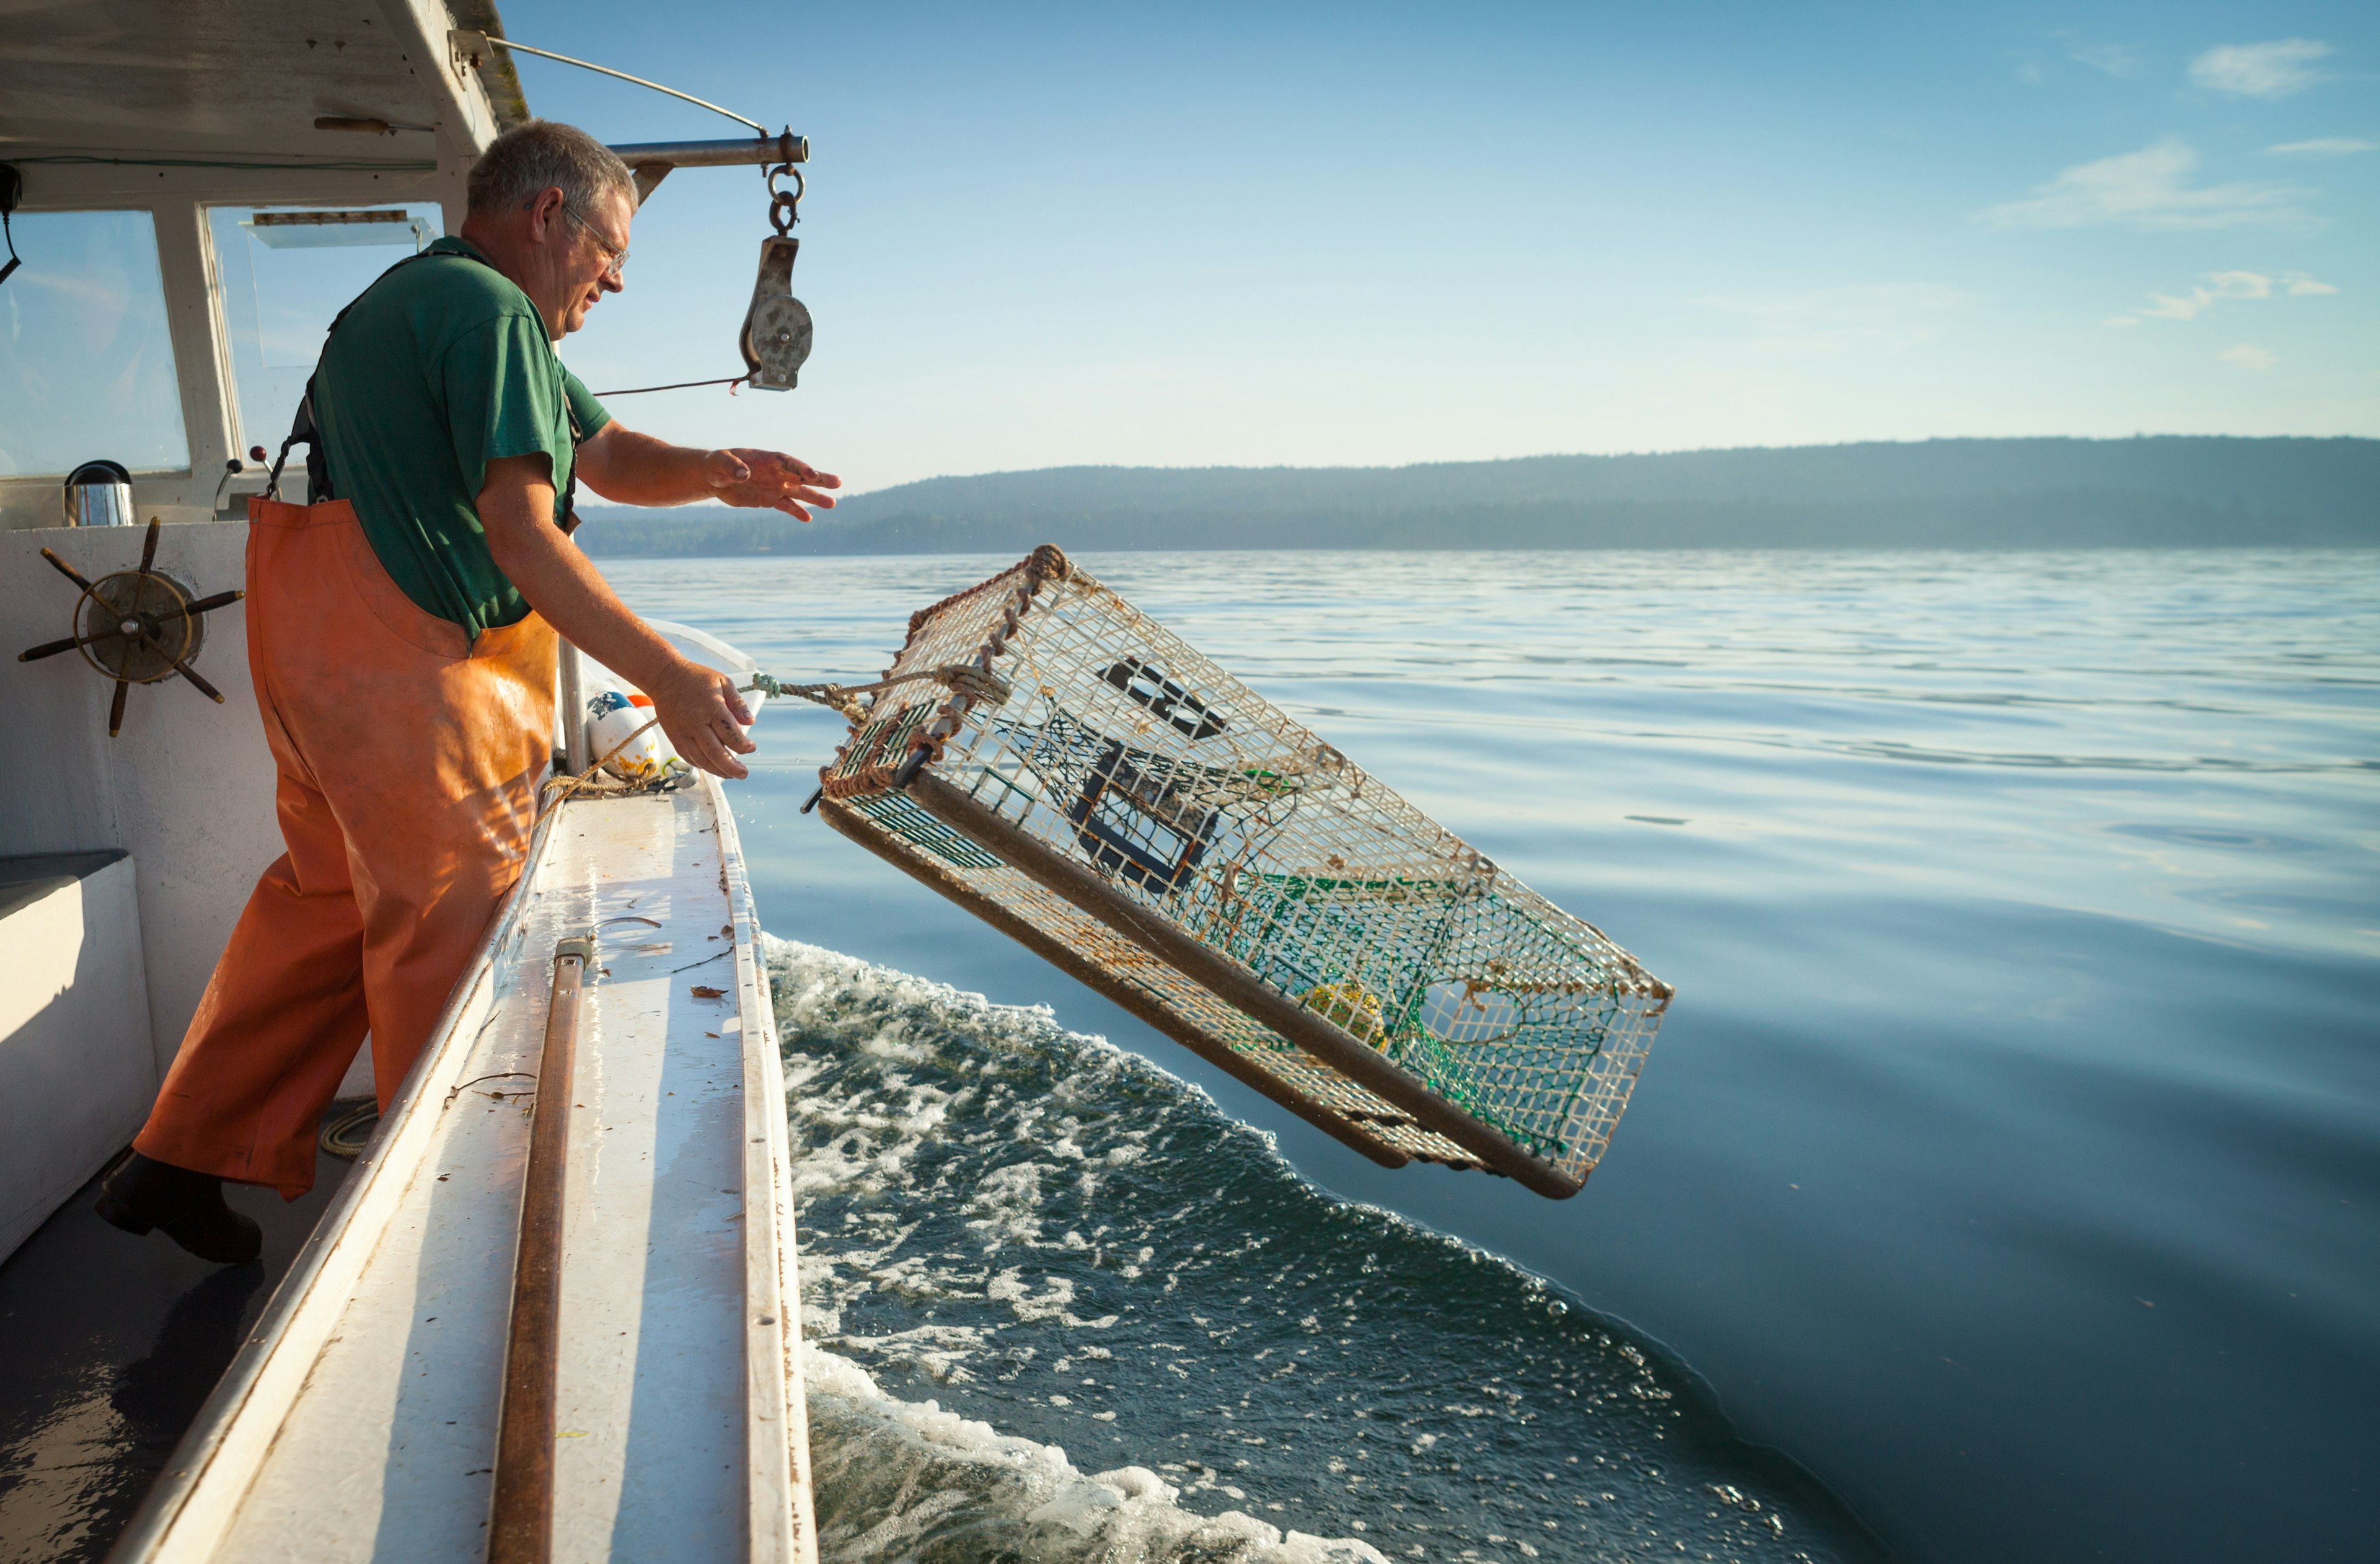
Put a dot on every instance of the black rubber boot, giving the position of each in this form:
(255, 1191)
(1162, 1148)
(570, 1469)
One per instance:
(140, 1194)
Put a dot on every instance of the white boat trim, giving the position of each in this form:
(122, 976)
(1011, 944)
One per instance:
(783, 1527)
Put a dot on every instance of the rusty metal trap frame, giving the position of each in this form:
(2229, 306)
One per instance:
(1078, 776)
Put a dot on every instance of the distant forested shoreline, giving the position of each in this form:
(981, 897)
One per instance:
(2160, 491)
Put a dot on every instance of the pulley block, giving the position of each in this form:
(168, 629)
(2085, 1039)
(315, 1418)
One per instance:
(777, 328)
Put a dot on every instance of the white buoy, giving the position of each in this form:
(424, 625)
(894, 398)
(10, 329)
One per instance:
(615, 713)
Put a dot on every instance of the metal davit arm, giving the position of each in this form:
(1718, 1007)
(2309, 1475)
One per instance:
(653, 160)
(732, 153)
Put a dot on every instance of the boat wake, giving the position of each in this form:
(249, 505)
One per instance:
(901, 1480)
(1058, 1306)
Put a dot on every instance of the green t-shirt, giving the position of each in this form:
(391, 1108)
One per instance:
(440, 368)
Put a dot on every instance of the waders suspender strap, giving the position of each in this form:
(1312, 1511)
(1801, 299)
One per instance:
(304, 430)
(570, 490)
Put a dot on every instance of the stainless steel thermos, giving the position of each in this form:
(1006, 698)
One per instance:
(99, 494)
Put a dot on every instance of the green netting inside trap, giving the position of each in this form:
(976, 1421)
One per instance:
(1117, 744)
(897, 814)
(1083, 939)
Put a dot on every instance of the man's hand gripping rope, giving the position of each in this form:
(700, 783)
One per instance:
(844, 699)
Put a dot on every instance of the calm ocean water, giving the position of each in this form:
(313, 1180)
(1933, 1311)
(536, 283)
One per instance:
(2002, 1185)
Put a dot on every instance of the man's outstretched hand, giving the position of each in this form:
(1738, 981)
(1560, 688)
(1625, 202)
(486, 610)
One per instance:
(703, 716)
(769, 480)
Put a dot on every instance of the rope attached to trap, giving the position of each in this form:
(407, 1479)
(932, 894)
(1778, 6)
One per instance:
(965, 681)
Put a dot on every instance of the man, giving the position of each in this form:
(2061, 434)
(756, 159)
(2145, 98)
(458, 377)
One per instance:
(402, 643)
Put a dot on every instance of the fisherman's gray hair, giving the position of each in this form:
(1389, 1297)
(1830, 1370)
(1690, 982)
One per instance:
(544, 154)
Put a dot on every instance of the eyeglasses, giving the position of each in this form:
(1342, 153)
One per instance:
(617, 254)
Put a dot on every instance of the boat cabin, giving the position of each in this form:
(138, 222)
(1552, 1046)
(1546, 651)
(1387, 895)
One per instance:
(194, 192)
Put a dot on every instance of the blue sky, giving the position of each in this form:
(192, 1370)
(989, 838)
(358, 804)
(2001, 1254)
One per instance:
(1321, 234)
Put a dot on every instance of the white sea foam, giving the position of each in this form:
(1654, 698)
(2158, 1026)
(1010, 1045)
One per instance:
(951, 1470)
(1006, 1206)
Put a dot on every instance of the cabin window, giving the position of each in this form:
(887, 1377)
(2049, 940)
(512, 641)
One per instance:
(284, 274)
(86, 362)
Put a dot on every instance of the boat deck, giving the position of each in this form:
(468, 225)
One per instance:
(109, 1345)
(361, 1422)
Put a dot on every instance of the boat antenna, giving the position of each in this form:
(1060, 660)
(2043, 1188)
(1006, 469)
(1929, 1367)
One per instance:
(464, 40)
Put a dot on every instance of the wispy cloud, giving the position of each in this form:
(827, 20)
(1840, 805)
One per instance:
(2149, 188)
(2217, 286)
(1825, 322)
(2118, 60)
(2327, 146)
(2199, 301)
(2260, 70)
(2248, 356)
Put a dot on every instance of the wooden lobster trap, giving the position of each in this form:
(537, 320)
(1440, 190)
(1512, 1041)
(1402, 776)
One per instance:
(1071, 771)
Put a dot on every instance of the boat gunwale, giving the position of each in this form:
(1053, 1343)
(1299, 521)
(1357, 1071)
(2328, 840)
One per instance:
(782, 1526)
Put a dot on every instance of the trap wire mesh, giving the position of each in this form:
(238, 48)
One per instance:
(1084, 780)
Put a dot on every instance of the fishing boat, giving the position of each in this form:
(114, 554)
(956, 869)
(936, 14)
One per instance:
(552, 1309)
(193, 191)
